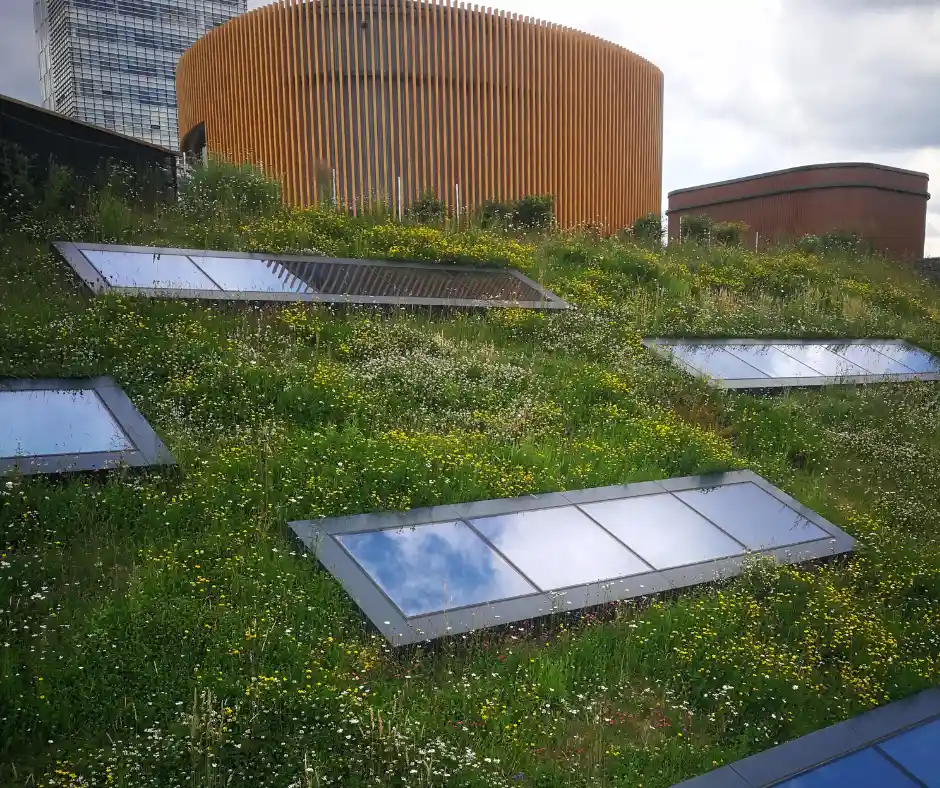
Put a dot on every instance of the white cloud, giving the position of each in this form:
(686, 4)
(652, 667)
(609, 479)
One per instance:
(750, 86)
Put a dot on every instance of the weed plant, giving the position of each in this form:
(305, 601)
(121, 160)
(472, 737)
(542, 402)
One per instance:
(161, 629)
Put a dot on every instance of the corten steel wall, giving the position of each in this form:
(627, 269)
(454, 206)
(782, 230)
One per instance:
(437, 93)
(887, 206)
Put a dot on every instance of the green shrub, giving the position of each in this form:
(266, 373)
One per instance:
(729, 233)
(17, 191)
(695, 228)
(113, 218)
(230, 190)
(648, 230)
(497, 213)
(428, 207)
(843, 241)
(63, 190)
(534, 212)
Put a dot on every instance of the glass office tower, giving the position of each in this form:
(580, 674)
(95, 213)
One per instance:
(113, 62)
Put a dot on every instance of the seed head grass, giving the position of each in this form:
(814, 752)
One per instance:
(162, 629)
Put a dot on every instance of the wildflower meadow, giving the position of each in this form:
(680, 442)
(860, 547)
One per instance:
(162, 629)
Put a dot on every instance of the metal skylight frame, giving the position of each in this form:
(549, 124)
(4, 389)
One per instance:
(318, 538)
(660, 347)
(96, 282)
(815, 750)
(148, 449)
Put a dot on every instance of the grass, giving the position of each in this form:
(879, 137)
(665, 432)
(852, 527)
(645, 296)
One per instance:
(161, 629)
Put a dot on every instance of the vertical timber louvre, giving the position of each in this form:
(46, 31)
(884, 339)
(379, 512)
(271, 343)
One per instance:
(437, 93)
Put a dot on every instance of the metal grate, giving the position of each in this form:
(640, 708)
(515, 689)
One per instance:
(210, 275)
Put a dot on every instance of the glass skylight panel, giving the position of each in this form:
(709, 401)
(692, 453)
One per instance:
(434, 567)
(752, 516)
(213, 275)
(62, 425)
(716, 362)
(870, 359)
(157, 271)
(427, 573)
(823, 360)
(918, 751)
(896, 745)
(865, 769)
(913, 358)
(772, 361)
(663, 530)
(559, 548)
(253, 276)
(57, 422)
(765, 364)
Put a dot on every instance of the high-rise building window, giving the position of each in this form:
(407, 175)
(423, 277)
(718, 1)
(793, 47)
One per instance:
(113, 62)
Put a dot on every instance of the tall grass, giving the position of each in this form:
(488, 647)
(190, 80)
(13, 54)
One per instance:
(161, 629)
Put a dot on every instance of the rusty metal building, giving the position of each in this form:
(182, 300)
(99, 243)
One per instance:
(383, 99)
(886, 206)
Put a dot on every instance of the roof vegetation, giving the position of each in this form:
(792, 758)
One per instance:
(161, 629)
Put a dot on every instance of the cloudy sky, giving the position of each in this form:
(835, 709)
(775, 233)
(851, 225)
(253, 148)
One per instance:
(751, 85)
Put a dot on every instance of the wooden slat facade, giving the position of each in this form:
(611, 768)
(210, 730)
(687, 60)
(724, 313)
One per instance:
(472, 103)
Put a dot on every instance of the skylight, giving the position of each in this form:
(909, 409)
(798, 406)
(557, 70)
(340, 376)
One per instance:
(199, 274)
(427, 573)
(892, 746)
(60, 425)
(781, 363)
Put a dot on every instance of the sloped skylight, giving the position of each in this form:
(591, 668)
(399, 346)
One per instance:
(892, 746)
(426, 573)
(199, 274)
(779, 363)
(61, 425)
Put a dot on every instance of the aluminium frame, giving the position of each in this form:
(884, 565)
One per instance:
(98, 284)
(148, 448)
(806, 753)
(317, 537)
(659, 347)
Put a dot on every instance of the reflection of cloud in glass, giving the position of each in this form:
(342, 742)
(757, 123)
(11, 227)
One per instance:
(870, 359)
(435, 567)
(662, 530)
(558, 548)
(57, 422)
(249, 275)
(752, 516)
(771, 361)
(827, 363)
(139, 269)
(715, 361)
(916, 359)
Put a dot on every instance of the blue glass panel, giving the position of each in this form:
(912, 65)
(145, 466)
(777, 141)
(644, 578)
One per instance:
(752, 516)
(662, 530)
(435, 567)
(715, 361)
(864, 769)
(772, 361)
(914, 358)
(869, 358)
(559, 548)
(248, 275)
(918, 751)
(141, 269)
(823, 361)
(57, 422)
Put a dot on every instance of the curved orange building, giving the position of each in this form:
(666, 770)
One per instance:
(383, 99)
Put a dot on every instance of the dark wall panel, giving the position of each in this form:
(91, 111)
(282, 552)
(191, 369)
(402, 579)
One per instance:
(84, 148)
